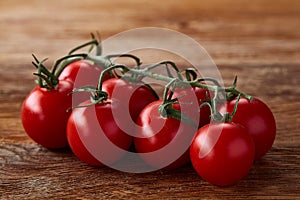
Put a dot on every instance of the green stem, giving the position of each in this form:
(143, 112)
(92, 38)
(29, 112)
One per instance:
(90, 43)
(107, 70)
(49, 85)
(216, 114)
(48, 77)
(42, 78)
(99, 46)
(167, 63)
(57, 62)
(214, 81)
(147, 73)
(166, 107)
(236, 92)
(234, 108)
(190, 72)
(196, 83)
(143, 72)
(65, 64)
(136, 59)
(167, 89)
(100, 60)
(40, 65)
(42, 68)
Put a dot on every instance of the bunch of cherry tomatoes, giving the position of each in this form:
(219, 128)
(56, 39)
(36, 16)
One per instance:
(225, 130)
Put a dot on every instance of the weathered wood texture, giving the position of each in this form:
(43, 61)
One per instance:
(257, 40)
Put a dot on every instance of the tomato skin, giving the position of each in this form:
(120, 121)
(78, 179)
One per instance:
(222, 153)
(84, 124)
(185, 95)
(204, 111)
(44, 115)
(133, 96)
(89, 73)
(156, 132)
(258, 120)
(82, 73)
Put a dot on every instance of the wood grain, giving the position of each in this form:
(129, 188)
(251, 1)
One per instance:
(257, 40)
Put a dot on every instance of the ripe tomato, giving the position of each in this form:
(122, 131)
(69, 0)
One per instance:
(185, 95)
(222, 153)
(154, 134)
(258, 120)
(134, 96)
(82, 73)
(94, 129)
(44, 114)
(82, 70)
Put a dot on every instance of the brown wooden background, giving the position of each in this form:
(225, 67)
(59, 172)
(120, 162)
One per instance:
(258, 40)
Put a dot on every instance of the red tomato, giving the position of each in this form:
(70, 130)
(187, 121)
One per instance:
(88, 73)
(222, 153)
(82, 73)
(154, 133)
(44, 114)
(134, 96)
(258, 120)
(97, 128)
(185, 95)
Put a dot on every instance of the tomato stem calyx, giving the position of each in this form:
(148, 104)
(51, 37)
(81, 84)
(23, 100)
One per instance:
(166, 109)
(47, 79)
(216, 115)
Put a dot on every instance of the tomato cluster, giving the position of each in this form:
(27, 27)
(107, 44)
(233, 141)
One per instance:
(84, 104)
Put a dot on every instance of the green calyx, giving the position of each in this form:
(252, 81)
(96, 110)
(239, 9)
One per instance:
(216, 116)
(166, 109)
(232, 93)
(97, 95)
(49, 79)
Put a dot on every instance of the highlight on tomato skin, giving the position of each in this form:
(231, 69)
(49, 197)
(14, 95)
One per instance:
(222, 153)
(259, 121)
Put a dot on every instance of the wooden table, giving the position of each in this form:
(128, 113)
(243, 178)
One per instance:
(257, 40)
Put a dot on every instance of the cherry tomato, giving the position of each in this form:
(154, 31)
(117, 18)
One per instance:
(258, 120)
(44, 114)
(222, 153)
(185, 95)
(82, 73)
(134, 96)
(92, 130)
(82, 70)
(155, 132)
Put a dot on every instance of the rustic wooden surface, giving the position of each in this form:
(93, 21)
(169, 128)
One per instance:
(257, 40)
